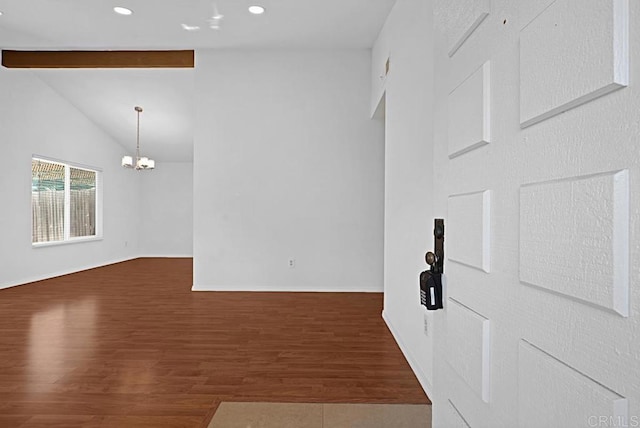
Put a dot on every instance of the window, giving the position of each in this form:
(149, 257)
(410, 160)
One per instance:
(64, 202)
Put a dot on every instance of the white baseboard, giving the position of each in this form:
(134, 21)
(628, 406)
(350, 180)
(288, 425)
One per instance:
(166, 256)
(50, 275)
(411, 359)
(288, 288)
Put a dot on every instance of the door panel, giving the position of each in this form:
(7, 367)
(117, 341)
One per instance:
(469, 239)
(454, 418)
(470, 105)
(549, 263)
(461, 19)
(574, 238)
(540, 373)
(559, 45)
(468, 347)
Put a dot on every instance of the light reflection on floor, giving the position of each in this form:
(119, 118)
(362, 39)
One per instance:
(57, 336)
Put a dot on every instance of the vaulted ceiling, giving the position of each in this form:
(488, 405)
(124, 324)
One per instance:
(107, 96)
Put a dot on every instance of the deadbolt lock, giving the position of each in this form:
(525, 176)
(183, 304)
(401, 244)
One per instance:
(430, 258)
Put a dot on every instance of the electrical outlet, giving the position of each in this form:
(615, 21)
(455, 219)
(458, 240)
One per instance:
(426, 325)
(292, 263)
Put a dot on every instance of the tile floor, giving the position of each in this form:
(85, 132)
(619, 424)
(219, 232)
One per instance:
(284, 415)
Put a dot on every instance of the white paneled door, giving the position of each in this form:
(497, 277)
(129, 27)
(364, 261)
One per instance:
(537, 174)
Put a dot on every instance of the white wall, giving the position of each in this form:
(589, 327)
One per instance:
(287, 165)
(166, 207)
(408, 227)
(36, 120)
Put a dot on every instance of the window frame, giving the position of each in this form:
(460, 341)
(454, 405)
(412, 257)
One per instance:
(67, 239)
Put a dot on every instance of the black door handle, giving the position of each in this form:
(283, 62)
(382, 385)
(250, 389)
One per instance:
(431, 280)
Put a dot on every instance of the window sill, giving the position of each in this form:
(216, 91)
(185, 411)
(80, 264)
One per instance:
(70, 241)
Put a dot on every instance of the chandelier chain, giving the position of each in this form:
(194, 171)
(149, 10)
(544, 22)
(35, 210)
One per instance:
(138, 110)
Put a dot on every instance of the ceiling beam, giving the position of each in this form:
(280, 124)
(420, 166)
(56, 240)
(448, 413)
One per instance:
(98, 59)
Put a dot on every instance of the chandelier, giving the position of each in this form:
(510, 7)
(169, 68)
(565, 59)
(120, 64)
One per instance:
(140, 162)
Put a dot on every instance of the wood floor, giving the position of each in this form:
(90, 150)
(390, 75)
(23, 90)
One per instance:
(129, 345)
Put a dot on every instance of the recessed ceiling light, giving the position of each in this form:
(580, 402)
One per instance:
(256, 10)
(0, 13)
(122, 10)
(190, 27)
